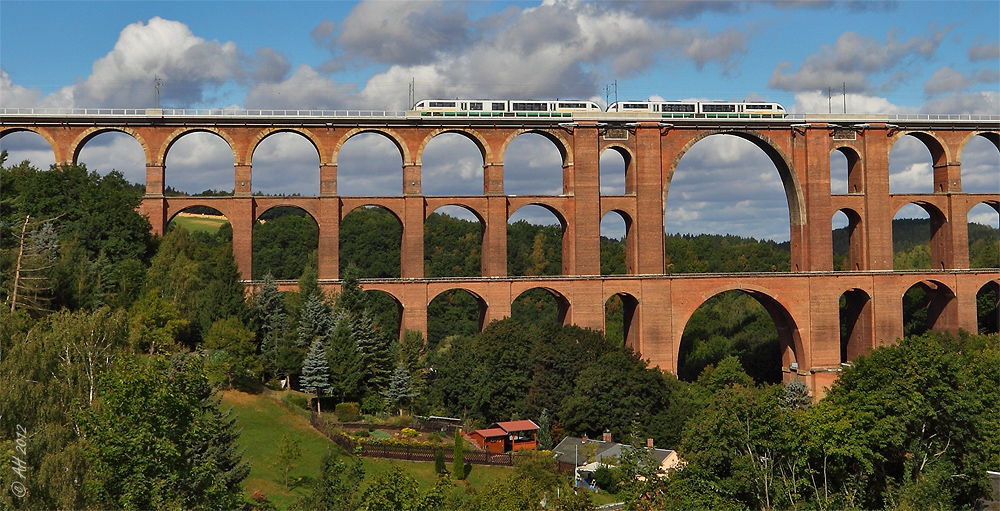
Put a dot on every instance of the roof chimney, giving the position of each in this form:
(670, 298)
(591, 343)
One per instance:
(607, 437)
(584, 438)
(649, 443)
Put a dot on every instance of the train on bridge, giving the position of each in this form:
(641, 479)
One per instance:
(566, 108)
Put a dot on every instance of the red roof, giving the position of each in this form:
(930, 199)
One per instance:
(521, 425)
(490, 433)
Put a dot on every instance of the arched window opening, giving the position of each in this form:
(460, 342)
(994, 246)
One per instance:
(388, 313)
(370, 239)
(911, 167)
(28, 146)
(202, 219)
(848, 249)
(726, 210)
(369, 165)
(988, 308)
(929, 305)
(539, 307)
(613, 173)
(199, 163)
(621, 320)
(285, 242)
(617, 246)
(453, 243)
(115, 151)
(455, 312)
(980, 166)
(912, 236)
(856, 328)
(735, 323)
(452, 165)
(838, 173)
(984, 237)
(285, 163)
(534, 242)
(533, 165)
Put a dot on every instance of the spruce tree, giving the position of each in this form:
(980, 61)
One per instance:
(316, 321)
(376, 351)
(316, 373)
(400, 389)
(544, 426)
(270, 318)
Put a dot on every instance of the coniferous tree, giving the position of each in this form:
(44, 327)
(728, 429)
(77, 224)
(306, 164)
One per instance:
(544, 425)
(458, 463)
(400, 389)
(316, 373)
(376, 352)
(316, 321)
(270, 318)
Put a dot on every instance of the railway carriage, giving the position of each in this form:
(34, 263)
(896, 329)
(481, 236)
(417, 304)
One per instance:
(503, 107)
(710, 110)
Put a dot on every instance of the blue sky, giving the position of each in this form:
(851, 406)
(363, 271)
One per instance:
(895, 57)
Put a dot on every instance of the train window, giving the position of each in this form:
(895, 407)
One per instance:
(759, 107)
(478, 105)
(633, 106)
(420, 105)
(674, 107)
(442, 104)
(499, 107)
(528, 107)
(573, 105)
(707, 107)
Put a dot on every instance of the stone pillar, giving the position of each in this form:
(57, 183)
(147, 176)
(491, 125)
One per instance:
(958, 228)
(329, 238)
(414, 313)
(947, 177)
(411, 179)
(645, 241)
(584, 183)
(878, 215)
(242, 219)
(493, 178)
(155, 209)
(811, 162)
(155, 177)
(328, 180)
(494, 256)
(242, 182)
(411, 252)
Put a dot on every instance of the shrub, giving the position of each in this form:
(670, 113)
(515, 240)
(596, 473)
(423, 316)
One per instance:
(362, 433)
(409, 432)
(435, 437)
(296, 401)
(348, 412)
(439, 466)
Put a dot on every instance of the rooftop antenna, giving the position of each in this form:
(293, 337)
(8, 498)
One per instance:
(845, 97)
(829, 99)
(413, 99)
(156, 85)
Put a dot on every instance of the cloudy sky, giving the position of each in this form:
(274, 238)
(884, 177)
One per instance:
(892, 57)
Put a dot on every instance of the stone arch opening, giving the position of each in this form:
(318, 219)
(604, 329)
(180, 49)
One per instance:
(533, 165)
(744, 323)
(204, 219)
(370, 164)
(616, 171)
(285, 163)
(912, 158)
(621, 320)
(110, 150)
(618, 254)
(388, 312)
(285, 241)
(452, 165)
(734, 183)
(857, 331)
(453, 243)
(848, 241)
(455, 312)
(918, 237)
(846, 176)
(929, 305)
(984, 235)
(988, 307)
(539, 306)
(370, 239)
(980, 163)
(535, 242)
(27, 145)
(199, 162)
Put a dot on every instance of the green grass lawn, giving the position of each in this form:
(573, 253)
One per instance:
(202, 223)
(263, 421)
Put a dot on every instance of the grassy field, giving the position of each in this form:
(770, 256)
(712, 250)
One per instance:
(263, 421)
(203, 223)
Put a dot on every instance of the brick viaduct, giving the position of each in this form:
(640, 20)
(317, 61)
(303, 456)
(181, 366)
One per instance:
(804, 303)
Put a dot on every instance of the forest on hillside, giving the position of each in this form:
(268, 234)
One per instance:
(108, 329)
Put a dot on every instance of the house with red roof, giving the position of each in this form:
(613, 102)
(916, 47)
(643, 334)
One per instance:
(521, 435)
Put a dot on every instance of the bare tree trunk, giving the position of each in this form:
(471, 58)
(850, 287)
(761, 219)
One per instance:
(17, 269)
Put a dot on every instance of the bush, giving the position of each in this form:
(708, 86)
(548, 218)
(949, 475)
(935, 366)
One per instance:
(439, 465)
(348, 412)
(296, 401)
(409, 432)
(362, 433)
(372, 404)
(606, 479)
(435, 437)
